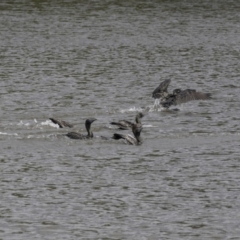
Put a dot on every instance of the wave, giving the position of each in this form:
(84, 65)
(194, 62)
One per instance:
(8, 134)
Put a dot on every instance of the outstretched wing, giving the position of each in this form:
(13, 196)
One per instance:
(123, 124)
(161, 89)
(191, 95)
(187, 95)
(128, 138)
(118, 136)
(60, 123)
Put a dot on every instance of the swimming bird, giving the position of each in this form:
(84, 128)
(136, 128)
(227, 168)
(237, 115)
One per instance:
(124, 124)
(61, 123)
(178, 96)
(75, 135)
(130, 139)
(136, 140)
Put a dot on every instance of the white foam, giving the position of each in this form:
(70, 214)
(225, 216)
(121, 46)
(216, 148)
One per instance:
(30, 136)
(9, 134)
(49, 123)
(155, 108)
(156, 102)
(132, 109)
(21, 123)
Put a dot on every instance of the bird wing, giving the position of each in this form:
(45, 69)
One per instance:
(60, 123)
(128, 138)
(158, 92)
(191, 95)
(118, 136)
(123, 124)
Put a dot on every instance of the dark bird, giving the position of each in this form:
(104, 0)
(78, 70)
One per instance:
(136, 140)
(75, 135)
(178, 96)
(124, 124)
(130, 139)
(61, 123)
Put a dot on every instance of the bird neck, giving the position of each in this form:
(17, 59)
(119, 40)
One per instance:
(139, 140)
(138, 119)
(137, 135)
(90, 134)
(88, 128)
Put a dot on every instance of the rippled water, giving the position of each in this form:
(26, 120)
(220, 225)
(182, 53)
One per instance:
(77, 59)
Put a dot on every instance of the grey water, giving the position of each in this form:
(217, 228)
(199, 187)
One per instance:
(78, 59)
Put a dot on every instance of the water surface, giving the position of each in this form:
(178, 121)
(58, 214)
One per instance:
(73, 60)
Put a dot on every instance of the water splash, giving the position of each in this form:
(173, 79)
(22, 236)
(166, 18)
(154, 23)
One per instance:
(41, 136)
(49, 123)
(156, 102)
(34, 124)
(132, 109)
(156, 107)
(21, 123)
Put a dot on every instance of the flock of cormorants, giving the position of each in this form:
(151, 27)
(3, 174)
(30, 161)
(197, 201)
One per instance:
(166, 100)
